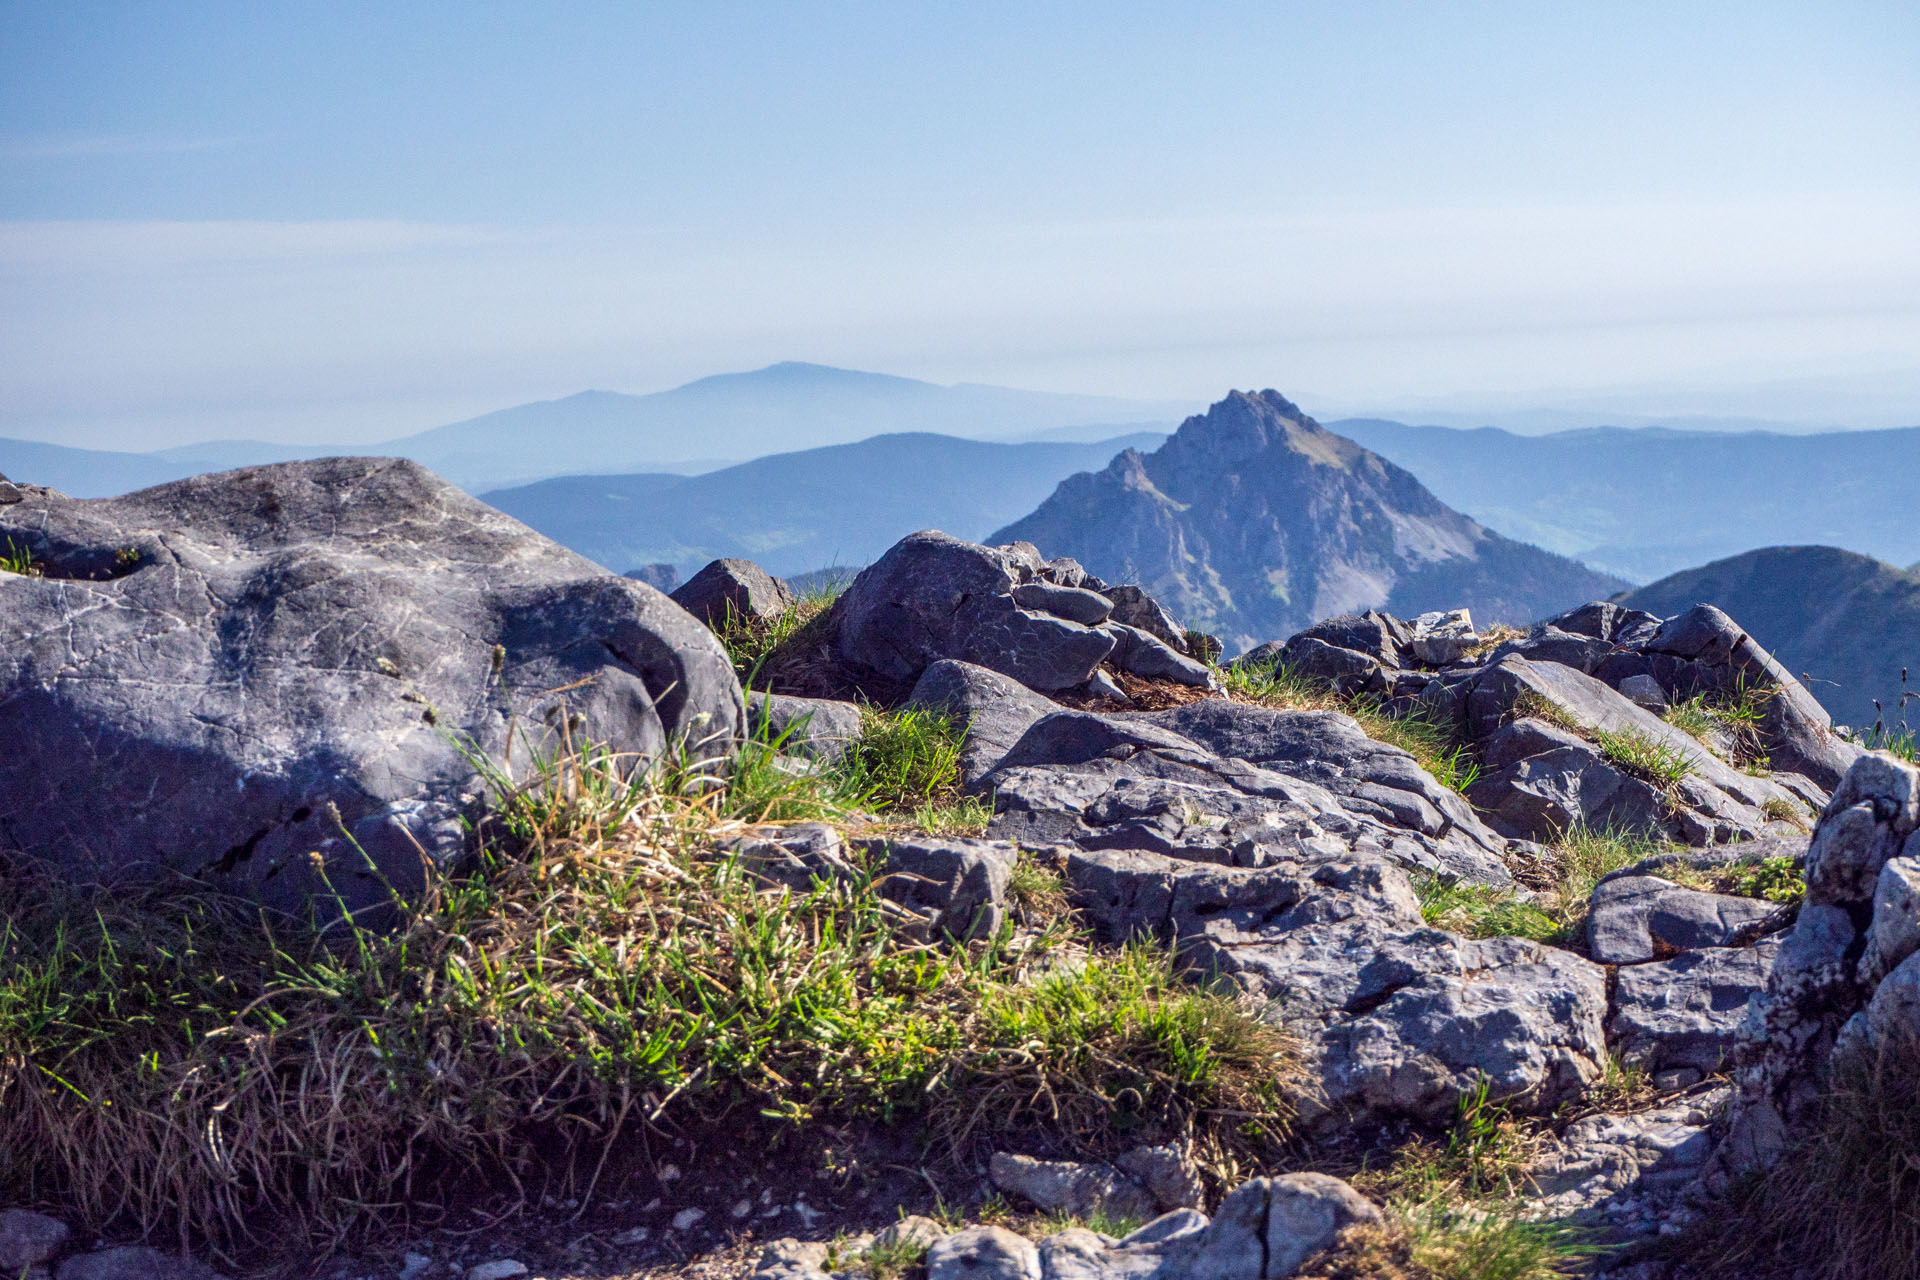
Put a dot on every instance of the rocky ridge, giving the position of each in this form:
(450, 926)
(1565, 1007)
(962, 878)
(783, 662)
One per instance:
(1253, 521)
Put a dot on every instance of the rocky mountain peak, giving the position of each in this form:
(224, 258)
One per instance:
(1248, 424)
(1253, 520)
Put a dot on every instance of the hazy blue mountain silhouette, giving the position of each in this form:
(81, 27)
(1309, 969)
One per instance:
(1647, 502)
(707, 423)
(837, 505)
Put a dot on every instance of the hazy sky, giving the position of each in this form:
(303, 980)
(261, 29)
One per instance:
(346, 222)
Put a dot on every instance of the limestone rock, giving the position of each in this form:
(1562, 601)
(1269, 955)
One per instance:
(256, 675)
(1687, 1011)
(1635, 918)
(984, 1253)
(1128, 782)
(1139, 653)
(1608, 1166)
(995, 709)
(1443, 638)
(932, 597)
(1073, 1187)
(950, 887)
(823, 729)
(733, 591)
(1133, 607)
(1269, 1227)
(1075, 604)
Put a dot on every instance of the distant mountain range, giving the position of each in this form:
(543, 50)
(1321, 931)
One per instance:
(1849, 622)
(693, 428)
(1254, 521)
(1648, 502)
(792, 512)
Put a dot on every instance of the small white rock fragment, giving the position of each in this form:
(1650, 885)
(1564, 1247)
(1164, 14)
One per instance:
(498, 1269)
(687, 1218)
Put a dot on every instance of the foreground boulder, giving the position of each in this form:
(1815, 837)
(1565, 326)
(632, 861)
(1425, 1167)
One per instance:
(276, 678)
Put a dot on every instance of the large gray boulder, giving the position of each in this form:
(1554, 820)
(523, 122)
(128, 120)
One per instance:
(932, 596)
(275, 678)
(1705, 651)
(1636, 918)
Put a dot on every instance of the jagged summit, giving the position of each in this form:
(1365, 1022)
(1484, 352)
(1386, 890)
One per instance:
(1254, 520)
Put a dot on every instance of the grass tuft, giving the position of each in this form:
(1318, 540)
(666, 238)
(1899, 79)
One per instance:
(17, 559)
(1774, 879)
(1639, 756)
(1457, 1200)
(1481, 911)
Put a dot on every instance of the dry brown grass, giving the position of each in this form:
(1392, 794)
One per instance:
(1842, 1203)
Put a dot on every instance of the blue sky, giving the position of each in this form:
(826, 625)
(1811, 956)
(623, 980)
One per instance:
(345, 222)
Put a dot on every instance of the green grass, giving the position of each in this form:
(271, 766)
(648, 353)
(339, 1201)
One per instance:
(1899, 741)
(905, 765)
(1582, 858)
(908, 758)
(176, 1059)
(18, 560)
(1840, 1202)
(1639, 756)
(1480, 911)
(1732, 718)
(1774, 879)
(1458, 1199)
(1456, 1245)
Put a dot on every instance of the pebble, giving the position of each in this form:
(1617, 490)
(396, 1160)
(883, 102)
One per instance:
(687, 1218)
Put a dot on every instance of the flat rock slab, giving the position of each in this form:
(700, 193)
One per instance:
(1626, 1166)
(269, 677)
(1132, 781)
(1637, 918)
(1687, 1012)
(1401, 1019)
